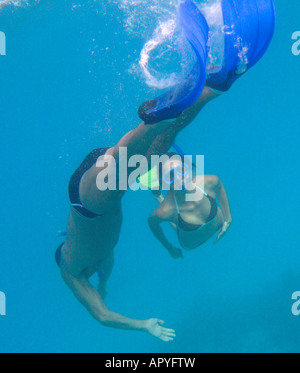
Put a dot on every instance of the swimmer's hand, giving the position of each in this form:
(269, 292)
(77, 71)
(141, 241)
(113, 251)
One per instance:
(175, 252)
(224, 229)
(155, 328)
(158, 196)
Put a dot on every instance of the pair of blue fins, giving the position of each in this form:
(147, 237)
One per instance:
(251, 22)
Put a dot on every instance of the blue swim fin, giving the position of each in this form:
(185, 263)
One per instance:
(173, 102)
(248, 29)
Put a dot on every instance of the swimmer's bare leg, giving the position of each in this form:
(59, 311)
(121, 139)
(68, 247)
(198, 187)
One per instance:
(165, 140)
(137, 142)
(106, 270)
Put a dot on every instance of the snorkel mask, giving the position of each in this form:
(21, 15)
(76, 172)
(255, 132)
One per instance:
(177, 174)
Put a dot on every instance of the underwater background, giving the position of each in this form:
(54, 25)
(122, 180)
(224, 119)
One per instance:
(70, 82)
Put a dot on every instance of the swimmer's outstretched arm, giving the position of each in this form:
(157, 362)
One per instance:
(218, 188)
(92, 301)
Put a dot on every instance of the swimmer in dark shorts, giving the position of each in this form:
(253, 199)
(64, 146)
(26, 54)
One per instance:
(95, 221)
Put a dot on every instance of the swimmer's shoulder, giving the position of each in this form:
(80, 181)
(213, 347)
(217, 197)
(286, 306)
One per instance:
(208, 182)
(166, 208)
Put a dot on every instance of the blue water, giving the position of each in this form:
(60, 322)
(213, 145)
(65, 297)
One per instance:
(67, 86)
